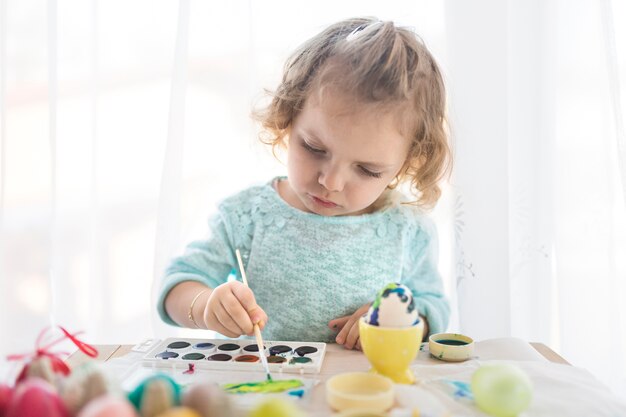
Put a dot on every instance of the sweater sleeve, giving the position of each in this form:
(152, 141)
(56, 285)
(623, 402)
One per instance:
(208, 261)
(420, 274)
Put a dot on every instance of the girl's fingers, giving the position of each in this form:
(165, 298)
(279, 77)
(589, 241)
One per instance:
(227, 321)
(237, 313)
(245, 297)
(338, 323)
(353, 336)
(258, 316)
(343, 334)
(220, 328)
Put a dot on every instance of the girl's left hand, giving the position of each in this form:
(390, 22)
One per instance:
(348, 328)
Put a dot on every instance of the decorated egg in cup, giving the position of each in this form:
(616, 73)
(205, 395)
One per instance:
(391, 333)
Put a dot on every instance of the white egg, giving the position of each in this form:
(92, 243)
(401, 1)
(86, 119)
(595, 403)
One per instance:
(393, 307)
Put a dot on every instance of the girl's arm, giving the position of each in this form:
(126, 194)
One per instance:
(178, 304)
(420, 274)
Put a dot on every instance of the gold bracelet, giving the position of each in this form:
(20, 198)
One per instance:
(190, 314)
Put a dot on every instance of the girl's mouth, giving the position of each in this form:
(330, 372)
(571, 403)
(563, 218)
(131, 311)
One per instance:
(323, 203)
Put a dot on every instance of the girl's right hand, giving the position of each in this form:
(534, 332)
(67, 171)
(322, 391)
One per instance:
(232, 310)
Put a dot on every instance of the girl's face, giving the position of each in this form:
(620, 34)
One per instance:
(341, 157)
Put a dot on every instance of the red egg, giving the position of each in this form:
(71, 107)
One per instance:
(108, 406)
(35, 398)
(5, 396)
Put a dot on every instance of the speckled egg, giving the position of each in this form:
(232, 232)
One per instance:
(393, 307)
(208, 400)
(86, 382)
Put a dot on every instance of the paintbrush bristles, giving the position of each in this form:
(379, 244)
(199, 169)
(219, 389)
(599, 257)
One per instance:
(259, 342)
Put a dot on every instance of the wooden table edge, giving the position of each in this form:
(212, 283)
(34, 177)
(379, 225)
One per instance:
(548, 353)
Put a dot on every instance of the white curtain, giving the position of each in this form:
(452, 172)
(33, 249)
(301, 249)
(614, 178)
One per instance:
(123, 123)
(539, 187)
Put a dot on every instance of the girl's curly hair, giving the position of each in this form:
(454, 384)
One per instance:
(378, 64)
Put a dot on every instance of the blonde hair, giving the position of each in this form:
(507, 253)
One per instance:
(377, 64)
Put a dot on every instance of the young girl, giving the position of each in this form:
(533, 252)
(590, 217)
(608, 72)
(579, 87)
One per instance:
(361, 108)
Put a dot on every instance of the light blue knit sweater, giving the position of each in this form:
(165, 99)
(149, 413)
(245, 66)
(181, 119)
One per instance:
(306, 269)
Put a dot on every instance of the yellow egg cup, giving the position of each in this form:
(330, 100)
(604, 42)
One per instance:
(391, 350)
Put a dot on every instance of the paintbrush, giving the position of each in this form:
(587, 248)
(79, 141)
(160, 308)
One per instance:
(257, 330)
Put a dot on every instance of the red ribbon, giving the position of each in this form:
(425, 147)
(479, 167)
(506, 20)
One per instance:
(57, 363)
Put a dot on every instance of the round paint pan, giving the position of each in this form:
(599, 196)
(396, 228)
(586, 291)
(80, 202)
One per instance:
(230, 348)
(308, 351)
(276, 359)
(205, 347)
(253, 349)
(247, 358)
(300, 360)
(220, 357)
(193, 356)
(167, 355)
(451, 347)
(280, 350)
(179, 344)
(360, 391)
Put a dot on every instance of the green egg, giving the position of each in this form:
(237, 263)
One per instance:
(136, 395)
(501, 390)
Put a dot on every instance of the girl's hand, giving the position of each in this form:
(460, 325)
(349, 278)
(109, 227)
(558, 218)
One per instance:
(232, 310)
(348, 328)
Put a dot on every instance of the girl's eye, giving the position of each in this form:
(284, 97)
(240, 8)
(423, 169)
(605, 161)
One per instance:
(311, 149)
(369, 173)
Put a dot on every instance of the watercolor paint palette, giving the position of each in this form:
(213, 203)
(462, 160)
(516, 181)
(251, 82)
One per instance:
(240, 354)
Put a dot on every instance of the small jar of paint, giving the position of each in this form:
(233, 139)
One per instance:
(451, 347)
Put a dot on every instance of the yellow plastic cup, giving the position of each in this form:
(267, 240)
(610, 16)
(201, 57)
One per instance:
(357, 392)
(390, 350)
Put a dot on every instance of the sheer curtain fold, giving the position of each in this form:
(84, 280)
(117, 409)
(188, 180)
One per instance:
(168, 225)
(538, 127)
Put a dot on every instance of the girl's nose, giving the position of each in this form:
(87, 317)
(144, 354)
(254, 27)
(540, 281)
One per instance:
(331, 178)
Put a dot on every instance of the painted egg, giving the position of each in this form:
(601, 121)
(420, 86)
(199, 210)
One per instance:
(44, 367)
(501, 390)
(5, 397)
(108, 406)
(393, 307)
(35, 397)
(84, 384)
(41, 367)
(276, 407)
(180, 412)
(157, 398)
(208, 400)
(159, 393)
